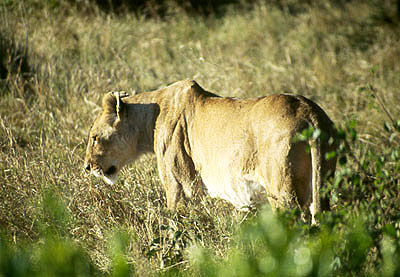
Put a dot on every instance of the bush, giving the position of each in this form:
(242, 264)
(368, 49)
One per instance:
(268, 245)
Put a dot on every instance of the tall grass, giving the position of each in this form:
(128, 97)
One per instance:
(57, 64)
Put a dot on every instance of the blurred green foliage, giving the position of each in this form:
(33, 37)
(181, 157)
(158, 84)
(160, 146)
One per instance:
(268, 246)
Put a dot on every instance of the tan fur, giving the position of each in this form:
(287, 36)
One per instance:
(235, 148)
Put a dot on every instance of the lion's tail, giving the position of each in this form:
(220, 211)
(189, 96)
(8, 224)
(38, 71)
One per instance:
(316, 160)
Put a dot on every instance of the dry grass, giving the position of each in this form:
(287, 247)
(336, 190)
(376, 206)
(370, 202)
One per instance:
(345, 58)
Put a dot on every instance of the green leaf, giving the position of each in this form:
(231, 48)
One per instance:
(330, 155)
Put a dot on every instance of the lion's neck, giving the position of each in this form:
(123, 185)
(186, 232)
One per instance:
(142, 117)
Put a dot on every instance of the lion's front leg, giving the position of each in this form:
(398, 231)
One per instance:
(172, 188)
(176, 168)
(178, 177)
(173, 195)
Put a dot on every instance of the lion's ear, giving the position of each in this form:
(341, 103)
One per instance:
(109, 103)
(112, 102)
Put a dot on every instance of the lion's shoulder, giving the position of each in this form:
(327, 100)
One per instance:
(189, 87)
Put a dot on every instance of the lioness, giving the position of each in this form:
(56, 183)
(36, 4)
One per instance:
(235, 148)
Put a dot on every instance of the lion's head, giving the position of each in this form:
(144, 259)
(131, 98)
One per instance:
(112, 141)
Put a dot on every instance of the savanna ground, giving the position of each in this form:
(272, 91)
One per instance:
(58, 59)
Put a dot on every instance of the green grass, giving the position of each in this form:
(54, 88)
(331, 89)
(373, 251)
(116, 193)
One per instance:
(59, 63)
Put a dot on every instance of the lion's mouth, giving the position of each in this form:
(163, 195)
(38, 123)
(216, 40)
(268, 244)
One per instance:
(109, 176)
(111, 170)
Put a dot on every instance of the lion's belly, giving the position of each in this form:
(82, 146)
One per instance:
(239, 191)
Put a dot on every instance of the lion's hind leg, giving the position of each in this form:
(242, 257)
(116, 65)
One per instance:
(279, 181)
(288, 177)
(300, 166)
